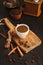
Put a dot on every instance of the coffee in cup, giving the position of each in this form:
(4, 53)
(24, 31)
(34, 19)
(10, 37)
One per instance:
(22, 30)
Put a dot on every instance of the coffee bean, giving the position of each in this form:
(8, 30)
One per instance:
(13, 60)
(27, 46)
(26, 42)
(32, 51)
(10, 59)
(26, 63)
(32, 61)
(39, 57)
(21, 43)
(24, 45)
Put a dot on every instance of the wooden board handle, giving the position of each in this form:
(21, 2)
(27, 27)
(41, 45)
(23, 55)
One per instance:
(9, 24)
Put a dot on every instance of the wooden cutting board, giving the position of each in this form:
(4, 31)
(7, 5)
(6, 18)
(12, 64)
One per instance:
(27, 44)
(30, 42)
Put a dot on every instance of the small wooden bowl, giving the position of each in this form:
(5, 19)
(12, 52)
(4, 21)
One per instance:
(16, 13)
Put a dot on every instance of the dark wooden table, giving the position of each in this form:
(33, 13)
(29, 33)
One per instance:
(36, 25)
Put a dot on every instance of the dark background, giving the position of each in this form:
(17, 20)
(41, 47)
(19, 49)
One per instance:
(36, 25)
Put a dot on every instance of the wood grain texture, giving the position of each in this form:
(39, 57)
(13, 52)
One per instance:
(32, 8)
(32, 39)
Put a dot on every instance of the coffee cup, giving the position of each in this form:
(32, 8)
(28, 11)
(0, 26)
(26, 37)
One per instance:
(22, 30)
(36, 0)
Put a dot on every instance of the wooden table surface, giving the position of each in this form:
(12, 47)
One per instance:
(36, 25)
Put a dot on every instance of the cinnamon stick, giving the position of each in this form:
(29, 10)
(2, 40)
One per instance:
(20, 52)
(13, 50)
(12, 47)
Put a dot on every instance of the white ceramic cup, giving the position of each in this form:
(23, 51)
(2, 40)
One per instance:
(22, 34)
(36, 0)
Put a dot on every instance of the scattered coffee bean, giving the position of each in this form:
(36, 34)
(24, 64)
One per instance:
(21, 43)
(39, 57)
(33, 57)
(32, 51)
(24, 45)
(10, 59)
(26, 63)
(27, 46)
(32, 61)
(26, 42)
(13, 60)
